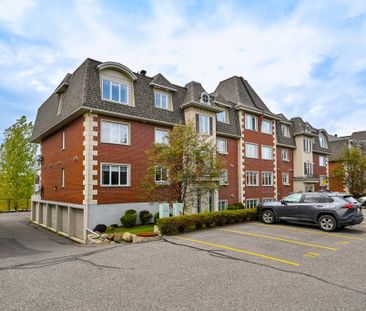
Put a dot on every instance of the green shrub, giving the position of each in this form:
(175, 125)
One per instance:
(235, 206)
(130, 211)
(129, 220)
(156, 217)
(173, 225)
(145, 217)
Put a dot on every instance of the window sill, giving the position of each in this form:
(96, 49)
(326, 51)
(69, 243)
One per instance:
(104, 142)
(267, 185)
(115, 186)
(222, 152)
(267, 159)
(252, 158)
(252, 185)
(166, 109)
(116, 102)
(266, 133)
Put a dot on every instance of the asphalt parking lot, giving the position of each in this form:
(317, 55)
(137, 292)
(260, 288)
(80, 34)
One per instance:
(248, 266)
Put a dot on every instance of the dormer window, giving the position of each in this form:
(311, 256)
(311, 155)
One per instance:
(115, 91)
(162, 100)
(205, 98)
(323, 141)
(222, 116)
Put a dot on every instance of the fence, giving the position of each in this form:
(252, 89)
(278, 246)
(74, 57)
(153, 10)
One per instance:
(11, 205)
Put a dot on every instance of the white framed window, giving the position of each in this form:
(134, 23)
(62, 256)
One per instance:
(223, 177)
(223, 204)
(62, 178)
(322, 161)
(285, 178)
(204, 124)
(63, 142)
(205, 98)
(251, 122)
(115, 175)
(252, 178)
(222, 116)
(251, 203)
(285, 130)
(161, 100)
(308, 145)
(115, 133)
(266, 126)
(161, 175)
(284, 154)
(267, 178)
(323, 141)
(161, 136)
(221, 145)
(267, 153)
(115, 91)
(268, 200)
(308, 168)
(251, 150)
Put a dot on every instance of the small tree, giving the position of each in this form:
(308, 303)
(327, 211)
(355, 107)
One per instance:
(17, 161)
(352, 170)
(188, 163)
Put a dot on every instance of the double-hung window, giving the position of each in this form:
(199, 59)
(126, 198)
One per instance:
(266, 127)
(285, 130)
(223, 177)
(115, 133)
(222, 116)
(322, 141)
(251, 122)
(221, 145)
(251, 203)
(251, 150)
(162, 100)
(267, 179)
(161, 175)
(161, 136)
(252, 178)
(204, 124)
(223, 204)
(115, 91)
(285, 178)
(267, 153)
(308, 168)
(115, 175)
(284, 154)
(322, 161)
(308, 145)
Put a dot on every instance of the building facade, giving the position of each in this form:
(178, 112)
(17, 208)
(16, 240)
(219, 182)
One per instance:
(95, 128)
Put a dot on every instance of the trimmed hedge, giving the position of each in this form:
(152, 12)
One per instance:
(173, 225)
(145, 217)
(235, 206)
(129, 220)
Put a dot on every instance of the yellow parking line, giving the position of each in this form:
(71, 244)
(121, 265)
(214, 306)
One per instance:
(335, 235)
(240, 251)
(344, 242)
(311, 255)
(280, 239)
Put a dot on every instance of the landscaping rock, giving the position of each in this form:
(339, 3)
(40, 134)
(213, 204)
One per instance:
(127, 237)
(111, 236)
(118, 238)
(156, 230)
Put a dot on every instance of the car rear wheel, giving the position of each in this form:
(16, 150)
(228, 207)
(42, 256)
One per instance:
(268, 217)
(327, 223)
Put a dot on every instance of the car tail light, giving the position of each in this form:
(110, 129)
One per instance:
(348, 205)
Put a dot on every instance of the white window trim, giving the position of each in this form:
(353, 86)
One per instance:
(271, 125)
(258, 177)
(246, 123)
(63, 144)
(161, 182)
(268, 199)
(325, 161)
(287, 131)
(116, 164)
(123, 123)
(209, 122)
(271, 153)
(272, 181)
(202, 101)
(325, 144)
(169, 99)
(225, 151)
(226, 204)
(162, 130)
(287, 152)
(255, 199)
(288, 179)
(311, 166)
(110, 90)
(226, 118)
(308, 144)
(246, 151)
(62, 178)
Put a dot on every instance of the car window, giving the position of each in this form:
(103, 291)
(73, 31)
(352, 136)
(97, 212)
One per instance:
(350, 199)
(313, 198)
(293, 198)
(328, 199)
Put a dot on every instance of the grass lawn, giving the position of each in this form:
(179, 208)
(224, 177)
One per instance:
(136, 229)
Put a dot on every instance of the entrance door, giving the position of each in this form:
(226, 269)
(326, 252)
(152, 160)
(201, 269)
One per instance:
(309, 188)
(210, 201)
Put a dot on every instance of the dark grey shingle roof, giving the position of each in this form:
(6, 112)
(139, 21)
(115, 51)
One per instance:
(160, 80)
(336, 148)
(283, 140)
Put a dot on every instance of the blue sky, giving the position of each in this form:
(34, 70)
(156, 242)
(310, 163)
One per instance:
(304, 58)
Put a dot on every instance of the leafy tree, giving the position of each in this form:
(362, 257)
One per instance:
(188, 162)
(17, 161)
(352, 170)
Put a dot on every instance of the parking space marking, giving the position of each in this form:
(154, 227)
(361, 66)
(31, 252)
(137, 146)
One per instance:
(312, 255)
(280, 239)
(344, 242)
(241, 251)
(335, 235)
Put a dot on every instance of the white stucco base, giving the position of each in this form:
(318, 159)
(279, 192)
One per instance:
(109, 214)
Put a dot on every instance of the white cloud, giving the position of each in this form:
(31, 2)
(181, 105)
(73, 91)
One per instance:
(12, 13)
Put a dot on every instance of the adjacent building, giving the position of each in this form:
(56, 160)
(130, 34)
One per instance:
(95, 128)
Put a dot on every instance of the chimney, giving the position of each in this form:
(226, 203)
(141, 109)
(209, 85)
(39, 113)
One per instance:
(143, 72)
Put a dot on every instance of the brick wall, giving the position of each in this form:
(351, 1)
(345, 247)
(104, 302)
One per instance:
(70, 159)
(318, 171)
(285, 167)
(230, 192)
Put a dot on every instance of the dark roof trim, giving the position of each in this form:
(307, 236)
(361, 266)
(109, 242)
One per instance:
(227, 135)
(62, 88)
(163, 87)
(256, 111)
(119, 67)
(287, 146)
(202, 106)
(222, 104)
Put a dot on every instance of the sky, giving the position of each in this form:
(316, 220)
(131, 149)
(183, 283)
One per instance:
(303, 58)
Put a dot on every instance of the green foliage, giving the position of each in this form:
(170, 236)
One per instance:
(173, 225)
(192, 164)
(17, 161)
(130, 211)
(352, 170)
(145, 217)
(129, 220)
(156, 217)
(235, 206)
